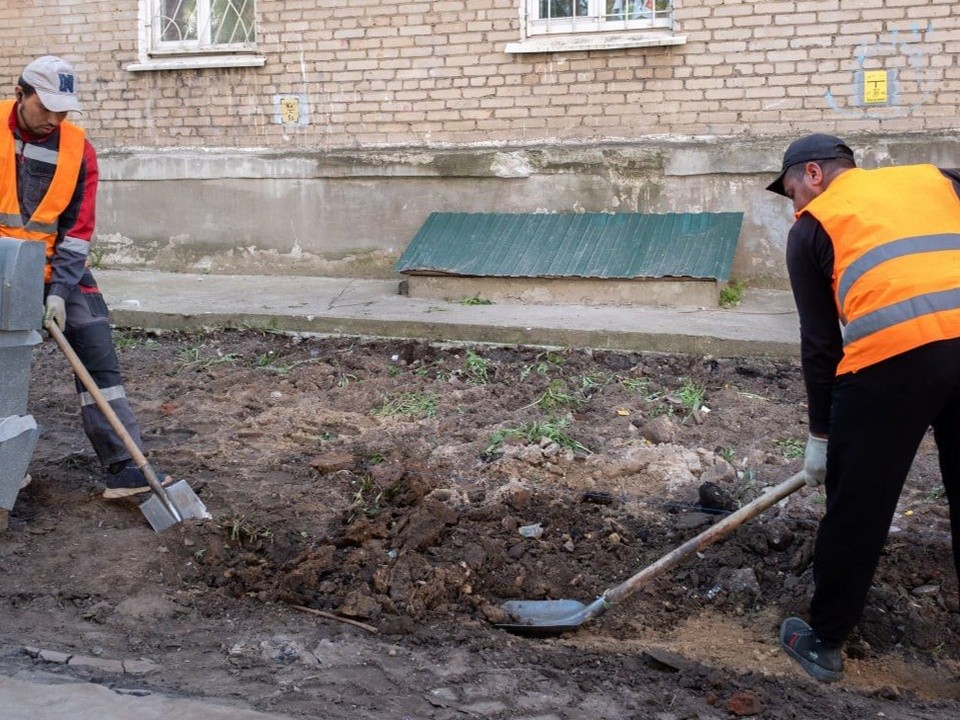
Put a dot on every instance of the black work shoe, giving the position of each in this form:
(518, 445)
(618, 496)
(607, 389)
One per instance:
(802, 644)
(128, 480)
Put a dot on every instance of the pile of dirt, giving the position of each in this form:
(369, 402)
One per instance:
(409, 489)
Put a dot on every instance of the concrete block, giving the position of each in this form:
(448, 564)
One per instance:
(16, 354)
(21, 284)
(18, 438)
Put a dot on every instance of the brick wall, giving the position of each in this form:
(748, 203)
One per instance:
(435, 73)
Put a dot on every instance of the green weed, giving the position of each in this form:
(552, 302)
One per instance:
(691, 395)
(791, 448)
(476, 300)
(413, 404)
(731, 294)
(553, 430)
(368, 498)
(642, 387)
(557, 396)
(193, 359)
(477, 368)
(239, 531)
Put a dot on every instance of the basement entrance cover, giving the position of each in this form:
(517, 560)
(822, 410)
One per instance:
(675, 259)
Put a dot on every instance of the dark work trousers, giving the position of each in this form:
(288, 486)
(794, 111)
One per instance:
(88, 332)
(878, 417)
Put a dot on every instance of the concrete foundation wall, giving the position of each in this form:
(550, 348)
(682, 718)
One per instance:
(400, 109)
(353, 213)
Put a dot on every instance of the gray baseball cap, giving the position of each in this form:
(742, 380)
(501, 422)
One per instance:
(818, 146)
(55, 82)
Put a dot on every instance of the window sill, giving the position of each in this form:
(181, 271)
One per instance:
(594, 41)
(187, 62)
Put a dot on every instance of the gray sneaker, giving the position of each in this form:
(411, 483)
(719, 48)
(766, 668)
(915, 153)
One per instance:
(802, 644)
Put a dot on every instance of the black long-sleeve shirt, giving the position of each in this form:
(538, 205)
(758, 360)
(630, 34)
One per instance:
(810, 263)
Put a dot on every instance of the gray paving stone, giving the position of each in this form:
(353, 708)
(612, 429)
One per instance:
(140, 667)
(94, 663)
(53, 656)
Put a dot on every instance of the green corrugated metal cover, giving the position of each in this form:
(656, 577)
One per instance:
(589, 245)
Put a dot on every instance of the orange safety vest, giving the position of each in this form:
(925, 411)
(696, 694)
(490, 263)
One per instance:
(43, 224)
(896, 275)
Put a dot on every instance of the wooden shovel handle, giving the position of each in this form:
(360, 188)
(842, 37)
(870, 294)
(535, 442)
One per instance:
(91, 387)
(706, 538)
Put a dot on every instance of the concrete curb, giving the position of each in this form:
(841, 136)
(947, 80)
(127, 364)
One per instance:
(765, 323)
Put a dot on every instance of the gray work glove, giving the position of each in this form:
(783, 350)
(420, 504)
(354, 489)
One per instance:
(815, 461)
(56, 311)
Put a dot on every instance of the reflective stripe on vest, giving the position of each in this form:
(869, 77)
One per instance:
(43, 224)
(896, 264)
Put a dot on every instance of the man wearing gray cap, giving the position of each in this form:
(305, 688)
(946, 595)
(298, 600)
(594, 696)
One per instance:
(874, 263)
(54, 169)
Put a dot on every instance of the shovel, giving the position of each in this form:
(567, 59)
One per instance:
(168, 505)
(546, 618)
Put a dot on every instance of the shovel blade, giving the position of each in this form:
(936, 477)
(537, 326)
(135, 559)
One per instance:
(545, 618)
(182, 498)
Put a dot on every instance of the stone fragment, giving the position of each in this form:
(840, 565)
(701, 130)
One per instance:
(140, 667)
(94, 663)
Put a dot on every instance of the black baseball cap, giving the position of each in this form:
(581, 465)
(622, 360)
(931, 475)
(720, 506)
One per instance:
(818, 146)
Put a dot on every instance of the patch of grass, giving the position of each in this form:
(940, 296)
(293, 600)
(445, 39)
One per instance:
(268, 363)
(727, 453)
(434, 369)
(475, 300)
(542, 365)
(731, 294)
(239, 531)
(642, 387)
(368, 499)
(193, 359)
(413, 404)
(534, 432)
(557, 396)
(691, 395)
(594, 381)
(125, 341)
(791, 447)
(477, 368)
(344, 378)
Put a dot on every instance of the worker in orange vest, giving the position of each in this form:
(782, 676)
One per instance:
(48, 190)
(874, 263)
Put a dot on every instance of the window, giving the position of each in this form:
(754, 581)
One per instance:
(197, 33)
(565, 16)
(557, 25)
(185, 25)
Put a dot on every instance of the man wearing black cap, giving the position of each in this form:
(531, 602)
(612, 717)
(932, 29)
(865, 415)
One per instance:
(49, 195)
(874, 263)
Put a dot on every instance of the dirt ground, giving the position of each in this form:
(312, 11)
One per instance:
(408, 489)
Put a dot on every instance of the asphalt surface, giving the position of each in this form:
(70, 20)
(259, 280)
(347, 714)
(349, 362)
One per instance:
(764, 323)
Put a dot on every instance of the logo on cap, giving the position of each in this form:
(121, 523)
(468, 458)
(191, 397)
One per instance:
(66, 83)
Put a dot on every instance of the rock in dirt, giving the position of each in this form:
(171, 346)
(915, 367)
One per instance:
(779, 536)
(720, 472)
(358, 605)
(744, 582)
(714, 497)
(744, 704)
(659, 430)
(332, 462)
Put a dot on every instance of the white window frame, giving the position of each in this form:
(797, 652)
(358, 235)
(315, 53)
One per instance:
(591, 32)
(156, 54)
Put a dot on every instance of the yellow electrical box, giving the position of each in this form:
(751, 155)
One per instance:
(875, 87)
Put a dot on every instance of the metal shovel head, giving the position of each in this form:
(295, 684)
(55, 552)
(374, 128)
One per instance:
(183, 499)
(545, 618)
